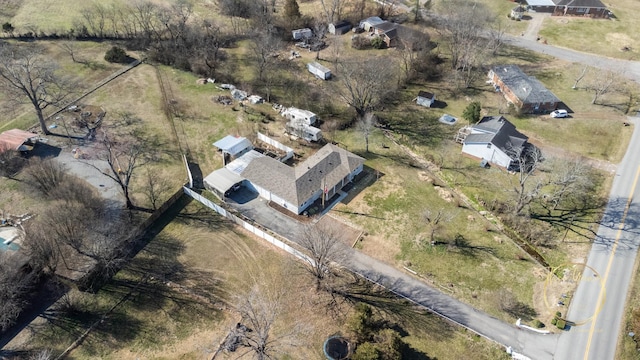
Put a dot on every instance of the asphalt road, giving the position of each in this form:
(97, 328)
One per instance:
(628, 69)
(599, 302)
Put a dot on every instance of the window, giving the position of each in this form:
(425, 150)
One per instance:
(489, 146)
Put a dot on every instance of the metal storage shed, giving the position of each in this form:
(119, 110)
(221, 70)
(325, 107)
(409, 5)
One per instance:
(233, 145)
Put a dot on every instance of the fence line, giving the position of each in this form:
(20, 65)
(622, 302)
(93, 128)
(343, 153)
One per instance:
(249, 227)
(102, 83)
(278, 145)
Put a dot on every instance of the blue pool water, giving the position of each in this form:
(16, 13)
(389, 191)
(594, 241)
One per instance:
(5, 247)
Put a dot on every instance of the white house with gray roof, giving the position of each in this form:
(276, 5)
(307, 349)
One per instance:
(496, 140)
(296, 188)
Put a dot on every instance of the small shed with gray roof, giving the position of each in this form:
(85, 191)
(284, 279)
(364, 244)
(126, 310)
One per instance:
(525, 92)
(495, 140)
(233, 147)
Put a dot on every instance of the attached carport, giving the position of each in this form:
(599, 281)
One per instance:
(221, 181)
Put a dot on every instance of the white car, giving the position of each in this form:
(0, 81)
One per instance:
(559, 113)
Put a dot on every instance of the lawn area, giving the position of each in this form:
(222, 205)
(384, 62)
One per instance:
(180, 293)
(598, 36)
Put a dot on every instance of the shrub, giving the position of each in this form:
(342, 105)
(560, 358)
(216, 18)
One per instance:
(558, 314)
(116, 55)
(561, 324)
(7, 27)
(537, 324)
(554, 321)
(359, 42)
(377, 42)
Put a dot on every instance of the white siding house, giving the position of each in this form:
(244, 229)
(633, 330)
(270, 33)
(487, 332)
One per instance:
(496, 140)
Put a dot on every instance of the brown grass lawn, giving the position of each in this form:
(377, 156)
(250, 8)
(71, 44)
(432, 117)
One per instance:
(187, 314)
(604, 37)
(627, 346)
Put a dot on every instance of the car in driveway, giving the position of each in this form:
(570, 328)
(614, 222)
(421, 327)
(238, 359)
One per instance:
(561, 113)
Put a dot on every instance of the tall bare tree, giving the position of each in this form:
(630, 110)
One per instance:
(579, 76)
(323, 244)
(26, 76)
(366, 83)
(527, 189)
(366, 125)
(333, 10)
(602, 83)
(16, 283)
(463, 24)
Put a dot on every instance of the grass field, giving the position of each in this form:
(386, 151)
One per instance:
(199, 264)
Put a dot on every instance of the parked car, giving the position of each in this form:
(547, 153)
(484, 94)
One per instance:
(561, 113)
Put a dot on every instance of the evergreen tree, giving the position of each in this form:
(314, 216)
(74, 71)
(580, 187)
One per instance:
(472, 112)
(292, 10)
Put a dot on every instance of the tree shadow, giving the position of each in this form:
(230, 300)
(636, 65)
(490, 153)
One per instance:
(462, 245)
(581, 220)
(353, 289)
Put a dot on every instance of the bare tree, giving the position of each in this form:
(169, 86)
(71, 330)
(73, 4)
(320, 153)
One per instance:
(124, 156)
(601, 84)
(572, 180)
(16, 283)
(332, 10)
(527, 160)
(365, 84)
(365, 125)
(264, 48)
(70, 48)
(580, 75)
(28, 77)
(156, 187)
(463, 24)
(413, 44)
(324, 248)
(436, 218)
(45, 174)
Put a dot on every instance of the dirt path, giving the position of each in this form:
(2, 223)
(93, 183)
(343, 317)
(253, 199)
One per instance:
(534, 25)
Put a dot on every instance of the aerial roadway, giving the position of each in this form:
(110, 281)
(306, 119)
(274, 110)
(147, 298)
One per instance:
(598, 305)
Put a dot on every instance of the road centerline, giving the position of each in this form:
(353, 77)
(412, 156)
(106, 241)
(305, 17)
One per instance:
(603, 288)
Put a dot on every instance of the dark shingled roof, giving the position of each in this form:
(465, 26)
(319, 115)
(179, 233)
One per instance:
(296, 185)
(498, 131)
(527, 88)
(425, 94)
(581, 3)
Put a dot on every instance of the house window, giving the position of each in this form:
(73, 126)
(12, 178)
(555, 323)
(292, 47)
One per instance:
(581, 10)
(489, 146)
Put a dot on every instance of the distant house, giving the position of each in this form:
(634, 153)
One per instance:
(495, 140)
(17, 140)
(525, 92)
(319, 70)
(368, 23)
(517, 12)
(340, 27)
(543, 6)
(586, 8)
(299, 115)
(302, 34)
(425, 98)
(387, 31)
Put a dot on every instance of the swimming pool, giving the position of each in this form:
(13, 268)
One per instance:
(5, 247)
